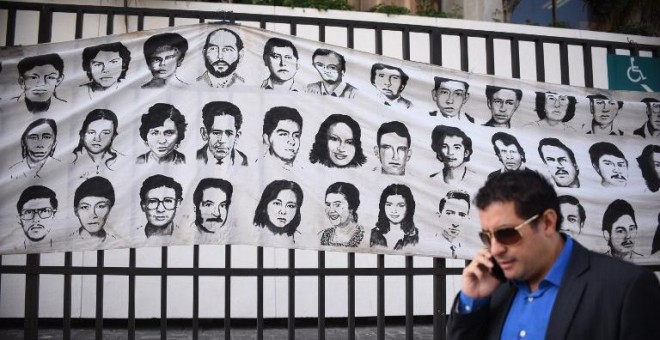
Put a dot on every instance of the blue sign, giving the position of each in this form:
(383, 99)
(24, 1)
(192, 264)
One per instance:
(633, 73)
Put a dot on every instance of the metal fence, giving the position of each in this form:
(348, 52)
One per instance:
(32, 270)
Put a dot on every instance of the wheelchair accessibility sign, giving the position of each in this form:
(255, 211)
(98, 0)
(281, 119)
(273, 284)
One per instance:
(633, 73)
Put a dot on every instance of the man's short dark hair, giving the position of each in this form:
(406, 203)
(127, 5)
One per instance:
(379, 66)
(207, 183)
(568, 199)
(157, 115)
(454, 195)
(530, 192)
(215, 109)
(40, 121)
(439, 80)
(279, 113)
(29, 63)
(278, 42)
(492, 89)
(441, 132)
(558, 144)
(95, 186)
(157, 181)
(393, 127)
(645, 161)
(600, 149)
(36, 192)
(600, 96)
(173, 40)
(614, 211)
(90, 53)
(540, 106)
(507, 140)
(239, 41)
(324, 52)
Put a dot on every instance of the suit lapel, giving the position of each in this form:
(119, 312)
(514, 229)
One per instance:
(499, 318)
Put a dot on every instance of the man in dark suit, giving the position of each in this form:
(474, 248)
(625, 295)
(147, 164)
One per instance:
(556, 288)
(222, 128)
(652, 127)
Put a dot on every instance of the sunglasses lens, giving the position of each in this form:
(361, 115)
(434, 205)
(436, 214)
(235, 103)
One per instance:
(507, 236)
(484, 238)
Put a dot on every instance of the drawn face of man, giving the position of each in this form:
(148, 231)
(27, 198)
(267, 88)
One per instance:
(282, 63)
(572, 223)
(39, 82)
(98, 136)
(452, 216)
(329, 67)
(388, 82)
(37, 218)
(555, 106)
(106, 68)
(453, 151)
(160, 206)
(282, 209)
(450, 98)
(336, 207)
(162, 140)
(604, 111)
(213, 209)
(222, 137)
(222, 55)
(613, 170)
(561, 167)
(284, 141)
(503, 105)
(508, 155)
(395, 208)
(656, 163)
(341, 147)
(393, 153)
(622, 239)
(653, 113)
(92, 212)
(40, 142)
(164, 62)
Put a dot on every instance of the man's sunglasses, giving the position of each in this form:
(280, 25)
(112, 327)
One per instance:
(506, 236)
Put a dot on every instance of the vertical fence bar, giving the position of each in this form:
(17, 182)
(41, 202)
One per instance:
(100, 262)
(351, 296)
(587, 65)
(260, 293)
(31, 322)
(436, 47)
(110, 23)
(439, 300)
(409, 298)
(490, 55)
(405, 42)
(321, 296)
(540, 60)
(379, 40)
(563, 63)
(322, 32)
(140, 22)
(170, 20)
(293, 29)
(79, 24)
(11, 27)
(292, 295)
(131, 294)
(227, 293)
(515, 58)
(350, 36)
(45, 25)
(163, 295)
(465, 61)
(195, 316)
(380, 300)
(66, 311)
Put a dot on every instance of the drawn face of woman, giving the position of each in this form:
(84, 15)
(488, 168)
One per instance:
(395, 208)
(336, 207)
(98, 136)
(106, 68)
(341, 147)
(282, 209)
(162, 140)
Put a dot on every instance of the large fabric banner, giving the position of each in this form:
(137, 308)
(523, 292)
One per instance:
(224, 134)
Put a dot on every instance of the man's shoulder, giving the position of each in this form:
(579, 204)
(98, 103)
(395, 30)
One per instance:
(469, 117)
(640, 131)
(606, 266)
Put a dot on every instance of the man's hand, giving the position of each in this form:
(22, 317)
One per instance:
(478, 278)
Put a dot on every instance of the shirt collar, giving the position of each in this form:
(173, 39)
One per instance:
(339, 90)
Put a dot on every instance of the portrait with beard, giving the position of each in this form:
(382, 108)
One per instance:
(211, 199)
(223, 51)
(39, 77)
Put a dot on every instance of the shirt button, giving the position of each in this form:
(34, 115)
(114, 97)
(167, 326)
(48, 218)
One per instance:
(530, 299)
(523, 333)
(468, 308)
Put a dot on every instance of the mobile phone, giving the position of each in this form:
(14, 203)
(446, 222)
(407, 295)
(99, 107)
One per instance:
(497, 271)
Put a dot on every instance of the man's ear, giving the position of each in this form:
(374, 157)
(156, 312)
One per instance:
(143, 207)
(467, 96)
(549, 219)
(238, 134)
(59, 80)
(266, 140)
(489, 104)
(434, 94)
(21, 81)
(517, 104)
(596, 167)
(409, 154)
(376, 151)
(240, 54)
(205, 136)
(606, 235)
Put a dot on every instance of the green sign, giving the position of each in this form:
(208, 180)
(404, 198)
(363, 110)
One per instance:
(633, 73)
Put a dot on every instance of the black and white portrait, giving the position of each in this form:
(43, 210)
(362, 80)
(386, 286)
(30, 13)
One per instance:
(223, 51)
(620, 230)
(649, 164)
(393, 148)
(395, 227)
(554, 111)
(573, 215)
(453, 213)
(211, 199)
(560, 163)
(36, 208)
(105, 65)
(281, 58)
(450, 96)
(652, 126)
(610, 164)
(94, 151)
(164, 54)
(222, 128)
(509, 152)
(655, 246)
(453, 149)
(278, 210)
(92, 202)
(331, 67)
(39, 77)
(281, 135)
(390, 81)
(502, 103)
(38, 143)
(160, 196)
(162, 130)
(341, 203)
(603, 110)
(337, 144)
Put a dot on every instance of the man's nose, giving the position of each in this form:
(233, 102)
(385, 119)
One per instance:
(496, 248)
(291, 141)
(395, 155)
(450, 99)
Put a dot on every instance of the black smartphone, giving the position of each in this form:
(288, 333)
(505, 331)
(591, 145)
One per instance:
(497, 271)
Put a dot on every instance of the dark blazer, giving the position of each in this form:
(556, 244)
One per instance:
(599, 298)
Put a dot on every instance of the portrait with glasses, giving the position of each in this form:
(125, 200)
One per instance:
(36, 214)
(160, 196)
(620, 230)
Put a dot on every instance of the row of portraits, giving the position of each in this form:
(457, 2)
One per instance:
(278, 213)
